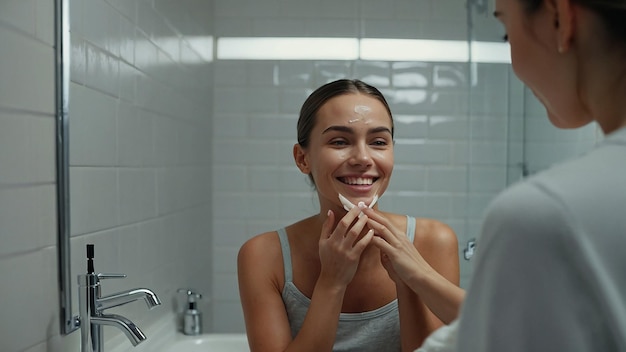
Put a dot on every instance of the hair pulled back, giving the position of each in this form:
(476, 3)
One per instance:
(612, 12)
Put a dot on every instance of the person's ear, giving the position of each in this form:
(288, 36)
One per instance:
(300, 157)
(564, 24)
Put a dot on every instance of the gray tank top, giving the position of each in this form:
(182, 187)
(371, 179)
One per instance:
(376, 330)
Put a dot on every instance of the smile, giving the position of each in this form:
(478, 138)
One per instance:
(357, 180)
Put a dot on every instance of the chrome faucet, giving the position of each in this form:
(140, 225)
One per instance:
(92, 306)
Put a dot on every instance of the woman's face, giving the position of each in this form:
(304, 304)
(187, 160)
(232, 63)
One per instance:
(350, 150)
(551, 75)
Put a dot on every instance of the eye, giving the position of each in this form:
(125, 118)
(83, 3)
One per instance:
(338, 142)
(505, 38)
(380, 143)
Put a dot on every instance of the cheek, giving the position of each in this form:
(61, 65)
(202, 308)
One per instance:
(342, 154)
(328, 160)
(385, 160)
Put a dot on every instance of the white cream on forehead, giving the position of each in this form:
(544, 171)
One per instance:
(362, 111)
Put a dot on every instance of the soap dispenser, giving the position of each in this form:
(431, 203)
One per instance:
(192, 317)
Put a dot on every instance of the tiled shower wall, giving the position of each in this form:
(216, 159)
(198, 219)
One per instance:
(460, 127)
(140, 133)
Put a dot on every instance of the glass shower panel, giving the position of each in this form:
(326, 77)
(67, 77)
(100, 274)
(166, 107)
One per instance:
(495, 155)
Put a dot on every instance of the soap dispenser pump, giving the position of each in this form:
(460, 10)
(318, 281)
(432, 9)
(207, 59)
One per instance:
(192, 317)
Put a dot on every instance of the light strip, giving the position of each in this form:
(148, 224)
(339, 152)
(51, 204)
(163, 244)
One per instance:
(414, 50)
(300, 48)
(291, 48)
(491, 52)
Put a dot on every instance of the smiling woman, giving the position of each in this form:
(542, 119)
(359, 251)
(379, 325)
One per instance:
(320, 281)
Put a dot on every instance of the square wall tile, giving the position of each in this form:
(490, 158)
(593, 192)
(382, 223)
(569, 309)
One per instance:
(93, 199)
(93, 127)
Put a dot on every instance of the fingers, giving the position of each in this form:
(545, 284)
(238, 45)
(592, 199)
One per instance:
(390, 236)
(327, 226)
(360, 245)
(356, 229)
(374, 215)
(382, 226)
(346, 227)
(382, 244)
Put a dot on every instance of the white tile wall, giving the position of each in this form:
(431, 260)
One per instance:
(168, 184)
(140, 136)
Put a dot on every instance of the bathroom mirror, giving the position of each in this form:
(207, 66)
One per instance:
(174, 141)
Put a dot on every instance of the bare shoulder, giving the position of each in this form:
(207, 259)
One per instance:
(438, 244)
(434, 233)
(262, 247)
(260, 258)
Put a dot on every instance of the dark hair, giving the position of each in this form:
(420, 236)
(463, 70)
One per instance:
(612, 12)
(321, 95)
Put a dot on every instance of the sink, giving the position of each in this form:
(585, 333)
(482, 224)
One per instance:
(213, 342)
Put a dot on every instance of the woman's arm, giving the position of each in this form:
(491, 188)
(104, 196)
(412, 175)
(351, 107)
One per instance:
(432, 272)
(267, 325)
(436, 280)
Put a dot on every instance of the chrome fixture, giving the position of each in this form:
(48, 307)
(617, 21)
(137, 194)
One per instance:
(192, 317)
(62, 44)
(468, 252)
(92, 306)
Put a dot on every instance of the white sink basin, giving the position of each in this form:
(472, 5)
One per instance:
(208, 343)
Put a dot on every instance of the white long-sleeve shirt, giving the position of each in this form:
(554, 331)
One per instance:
(550, 264)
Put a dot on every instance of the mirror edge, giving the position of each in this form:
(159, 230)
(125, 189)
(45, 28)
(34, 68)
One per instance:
(69, 322)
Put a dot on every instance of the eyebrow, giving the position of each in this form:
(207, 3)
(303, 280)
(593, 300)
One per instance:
(350, 130)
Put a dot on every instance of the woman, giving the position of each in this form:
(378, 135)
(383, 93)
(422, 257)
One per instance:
(550, 270)
(319, 284)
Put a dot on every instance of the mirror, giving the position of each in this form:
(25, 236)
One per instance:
(158, 122)
(68, 321)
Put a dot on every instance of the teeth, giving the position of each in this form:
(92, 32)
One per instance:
(358, 180)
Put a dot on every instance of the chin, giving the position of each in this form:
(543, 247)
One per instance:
(568, 122)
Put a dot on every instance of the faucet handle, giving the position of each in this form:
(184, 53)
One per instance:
(191, 294)
(102, 276)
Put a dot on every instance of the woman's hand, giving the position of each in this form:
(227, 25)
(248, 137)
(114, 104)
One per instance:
(433, 275)
(340, 248)
(399, 256)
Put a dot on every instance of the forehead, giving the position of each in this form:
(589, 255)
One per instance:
(350, 107)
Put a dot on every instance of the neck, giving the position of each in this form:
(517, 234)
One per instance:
(603, 76)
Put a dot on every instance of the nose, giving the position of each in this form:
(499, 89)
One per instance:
(361, 155)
